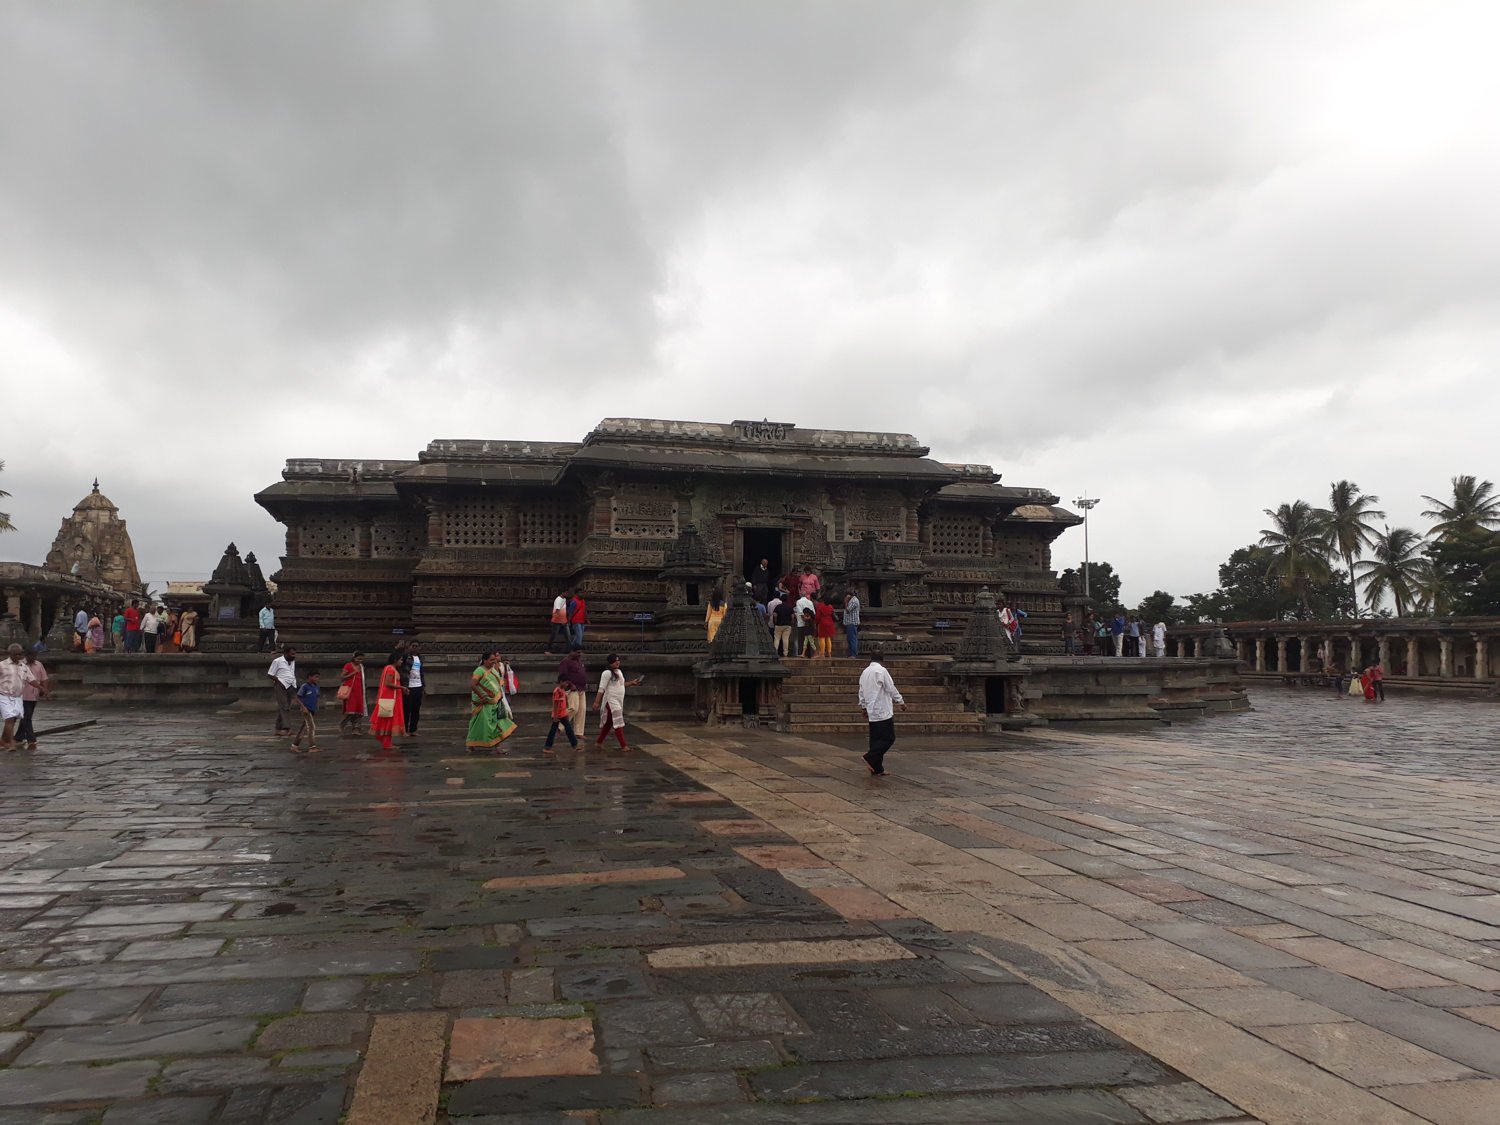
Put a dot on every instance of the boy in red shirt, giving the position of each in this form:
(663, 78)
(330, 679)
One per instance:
(560, 716)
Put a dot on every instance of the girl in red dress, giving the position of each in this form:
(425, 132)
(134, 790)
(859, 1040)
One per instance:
(389, 717)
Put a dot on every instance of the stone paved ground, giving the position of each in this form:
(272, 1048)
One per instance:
(1297, 907)
(196, 926)
(1291, 915)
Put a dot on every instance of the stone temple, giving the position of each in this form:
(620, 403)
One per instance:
(93, 544)
(472, 540)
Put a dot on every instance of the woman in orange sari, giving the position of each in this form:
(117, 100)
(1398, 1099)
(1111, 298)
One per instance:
(389, 716)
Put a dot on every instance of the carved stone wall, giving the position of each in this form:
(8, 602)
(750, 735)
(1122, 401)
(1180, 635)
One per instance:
(474, 522)
(328, 535)
(957, 533)
(643, 511)
(396, 538)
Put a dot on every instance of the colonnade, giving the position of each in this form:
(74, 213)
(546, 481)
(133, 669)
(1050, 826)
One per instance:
(1425, 649)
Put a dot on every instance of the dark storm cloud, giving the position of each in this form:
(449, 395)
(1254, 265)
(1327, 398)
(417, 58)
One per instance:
(1033, 234)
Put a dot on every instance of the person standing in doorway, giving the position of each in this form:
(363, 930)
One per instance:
(578, 617)
(150, 626)
(878, 698)
(15, 675)
(283, 673)
(760, 582)
(352, 693)
(31, 694)
(307, 709)
(851, 622)
(267, 620)
(413, 688)
(559, 634)
(574, 672)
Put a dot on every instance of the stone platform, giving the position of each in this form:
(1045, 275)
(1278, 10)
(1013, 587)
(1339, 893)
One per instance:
(199, 926)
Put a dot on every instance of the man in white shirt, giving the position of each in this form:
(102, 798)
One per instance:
(267, 619)
(877, 695)
(283, 672)
(806, 615)
(559, 632)
(1159, 638)
(413, 700)
(150, 625)
(15, 676)
(80, 628)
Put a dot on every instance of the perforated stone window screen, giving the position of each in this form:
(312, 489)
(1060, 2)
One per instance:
(957, 535)
(397, 540)
(474, 523)
(548, 523)
(329, 537)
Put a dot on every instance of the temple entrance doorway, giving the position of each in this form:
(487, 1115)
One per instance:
(758, 543)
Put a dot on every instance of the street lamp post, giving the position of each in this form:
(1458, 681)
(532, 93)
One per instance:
(1087, 504)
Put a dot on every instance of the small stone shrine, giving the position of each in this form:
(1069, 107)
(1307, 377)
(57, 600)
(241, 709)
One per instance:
(473, 539)
(93, 545)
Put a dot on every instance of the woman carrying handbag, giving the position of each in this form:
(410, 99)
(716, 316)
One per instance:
(389, 717)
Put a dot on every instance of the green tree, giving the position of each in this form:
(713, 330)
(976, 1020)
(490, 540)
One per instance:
(1349, 524)
(1396, 567)
(5, 524)
(1462, 576)
(1473, 508)
(1160, 606)
(1298, 542)
(1251, 590)
(1104, 584)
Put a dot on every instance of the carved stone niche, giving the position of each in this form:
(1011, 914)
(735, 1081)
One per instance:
(691, 569)
(741, 679)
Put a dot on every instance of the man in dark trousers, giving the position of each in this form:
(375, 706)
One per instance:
(576, 673)
(879, 698)
(412, 678)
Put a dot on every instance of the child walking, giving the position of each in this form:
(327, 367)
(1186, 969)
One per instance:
(307, 704)
(560, 716)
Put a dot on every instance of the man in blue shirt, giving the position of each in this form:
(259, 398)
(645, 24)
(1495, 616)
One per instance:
(1117, 631)
(307, 706)
(267, 628)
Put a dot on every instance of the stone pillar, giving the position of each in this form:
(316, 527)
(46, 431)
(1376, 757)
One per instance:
(1260, 654)
(1197, 646)
(1481, 657)
(1356, 655)
(1413, 657)
(1445, 657)
(1308, 655)
(1384, 655)
(1281, 655)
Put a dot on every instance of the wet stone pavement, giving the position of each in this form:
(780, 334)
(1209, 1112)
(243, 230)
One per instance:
(197, 926)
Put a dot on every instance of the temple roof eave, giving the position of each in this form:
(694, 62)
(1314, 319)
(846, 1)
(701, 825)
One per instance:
(918, 470)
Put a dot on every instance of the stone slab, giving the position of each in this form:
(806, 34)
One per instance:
(165, 1039)
(402, 1072)
(778, 953)
(41, 1085)
(520, 1048)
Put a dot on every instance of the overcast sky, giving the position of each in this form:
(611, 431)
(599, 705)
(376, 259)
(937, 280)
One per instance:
(1195, 258)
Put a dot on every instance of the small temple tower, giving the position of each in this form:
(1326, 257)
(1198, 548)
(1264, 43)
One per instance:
(94, 546)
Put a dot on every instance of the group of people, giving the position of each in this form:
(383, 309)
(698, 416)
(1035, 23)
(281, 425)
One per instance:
(1370, 683)
(398, 697)
(570, 617)
(23, 683)
(1120, 635)
(799, 613)
(494, 682)
(137, 627)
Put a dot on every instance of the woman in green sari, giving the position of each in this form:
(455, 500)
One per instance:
(488, 725)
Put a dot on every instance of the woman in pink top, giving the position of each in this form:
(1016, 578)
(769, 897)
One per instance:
(31, 693)
(808, 583)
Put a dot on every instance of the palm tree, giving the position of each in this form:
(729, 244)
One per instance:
(1397, 567)
(5, 524)
(1298, 542)
(1475, 507)
(1349, 520)
(1434, 593)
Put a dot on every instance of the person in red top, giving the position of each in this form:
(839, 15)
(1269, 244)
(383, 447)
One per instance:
(132, 628)
(560, 716)
(578, 617)
(824, 627)
(1377, 679)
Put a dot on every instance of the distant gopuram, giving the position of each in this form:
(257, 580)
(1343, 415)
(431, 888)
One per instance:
(471, 541)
